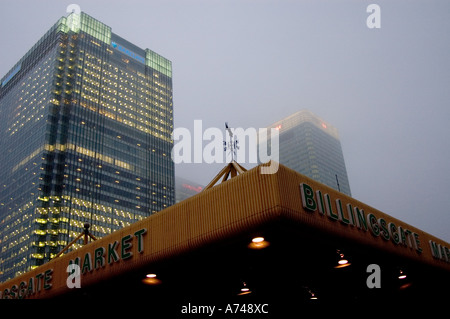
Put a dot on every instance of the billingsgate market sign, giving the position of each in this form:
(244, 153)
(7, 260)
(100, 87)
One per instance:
(111, 253)
(356, 217)
(313, 204)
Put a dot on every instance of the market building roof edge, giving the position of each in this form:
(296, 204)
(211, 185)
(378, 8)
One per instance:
(234, 207)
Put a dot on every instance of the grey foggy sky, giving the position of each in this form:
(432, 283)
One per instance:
(253, 62)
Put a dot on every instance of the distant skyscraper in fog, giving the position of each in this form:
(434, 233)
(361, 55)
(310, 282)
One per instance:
(312, 147)
(185, 188)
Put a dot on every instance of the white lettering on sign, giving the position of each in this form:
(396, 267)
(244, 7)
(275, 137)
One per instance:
(356, 217)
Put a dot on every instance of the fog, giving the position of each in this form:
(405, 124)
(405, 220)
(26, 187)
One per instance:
(251, 63)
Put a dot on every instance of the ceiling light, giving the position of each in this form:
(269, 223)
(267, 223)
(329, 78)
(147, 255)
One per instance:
(312, 295)
(258, 243)
(150, 279)
(342, 262)
(402, 275)
(244, 290)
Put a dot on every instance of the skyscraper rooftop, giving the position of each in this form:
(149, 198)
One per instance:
(312, 147)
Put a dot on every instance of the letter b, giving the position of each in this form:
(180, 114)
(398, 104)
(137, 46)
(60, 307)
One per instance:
(308, 197)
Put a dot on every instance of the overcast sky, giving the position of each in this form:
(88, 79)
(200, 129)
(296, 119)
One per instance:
(253, 62)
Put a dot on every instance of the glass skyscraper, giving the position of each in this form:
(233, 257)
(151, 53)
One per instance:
(185, 188)
(86, 122)
(312, 147)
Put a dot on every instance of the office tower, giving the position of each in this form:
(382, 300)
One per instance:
(312, 147)
(185, 188)
(85, 137)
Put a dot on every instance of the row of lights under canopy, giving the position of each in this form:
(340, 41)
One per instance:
(260, 242)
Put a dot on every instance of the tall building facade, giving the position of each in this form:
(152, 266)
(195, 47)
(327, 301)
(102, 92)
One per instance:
(311, 146)
(185, 188)
(85, 137)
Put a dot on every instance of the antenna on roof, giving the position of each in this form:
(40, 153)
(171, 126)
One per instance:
(86, 233)
(337, 181)
(233, 168)
(232, 145)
